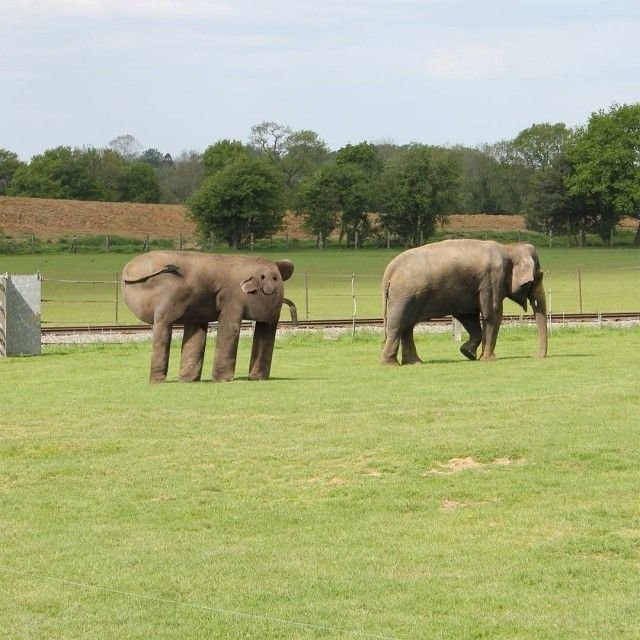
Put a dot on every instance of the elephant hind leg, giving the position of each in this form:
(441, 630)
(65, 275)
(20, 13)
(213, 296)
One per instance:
(192, 353)
(160, 346)
(472, 325)
(409, 352)
(264, 337)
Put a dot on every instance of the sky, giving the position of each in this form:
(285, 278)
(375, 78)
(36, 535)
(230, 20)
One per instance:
(179, 75)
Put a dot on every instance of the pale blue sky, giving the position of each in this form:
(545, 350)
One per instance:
(181, 74)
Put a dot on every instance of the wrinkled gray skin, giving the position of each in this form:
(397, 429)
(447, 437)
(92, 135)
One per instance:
(165, 288)
(467, 279)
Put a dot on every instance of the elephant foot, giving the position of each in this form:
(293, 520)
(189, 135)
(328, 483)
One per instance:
(157, 378)
(467, 352)
(389, 362)
(411, 361)
(257, 377)
(223, 377)
(189, 379)
(489, 357)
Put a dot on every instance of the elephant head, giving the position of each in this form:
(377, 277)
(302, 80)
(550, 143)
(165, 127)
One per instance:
(266, 281)
(526, 284)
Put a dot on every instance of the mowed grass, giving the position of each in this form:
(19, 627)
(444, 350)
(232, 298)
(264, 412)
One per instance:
(83, 288)
(339, 499)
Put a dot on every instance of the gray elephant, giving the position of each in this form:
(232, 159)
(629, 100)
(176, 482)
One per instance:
(168, 287)
(467, 279)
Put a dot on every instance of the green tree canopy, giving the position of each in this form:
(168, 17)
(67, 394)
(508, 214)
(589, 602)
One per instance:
(418, 188)
(138, 183)
(217, 156)
(9, 164)
(606, 159)
(320, 201)
(57, 173)
(245, 198)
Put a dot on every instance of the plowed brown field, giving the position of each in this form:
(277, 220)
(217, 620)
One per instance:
(50, 219)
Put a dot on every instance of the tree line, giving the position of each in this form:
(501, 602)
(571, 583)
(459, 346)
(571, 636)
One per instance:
(564, 180)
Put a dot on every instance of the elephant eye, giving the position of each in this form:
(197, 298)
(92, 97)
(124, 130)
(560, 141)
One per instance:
(262, 277)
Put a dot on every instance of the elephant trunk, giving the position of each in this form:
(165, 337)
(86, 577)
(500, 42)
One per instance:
(539, 305)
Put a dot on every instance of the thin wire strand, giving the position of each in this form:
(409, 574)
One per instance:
(201, 607)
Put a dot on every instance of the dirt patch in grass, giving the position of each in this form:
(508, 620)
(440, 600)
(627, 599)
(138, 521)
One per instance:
(456, 465)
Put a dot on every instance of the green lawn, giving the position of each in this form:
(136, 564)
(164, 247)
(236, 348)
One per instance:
(339, 499)
(82, 288)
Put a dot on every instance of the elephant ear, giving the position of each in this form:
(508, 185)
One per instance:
(523, 272)
(285, 267)
(249, 285)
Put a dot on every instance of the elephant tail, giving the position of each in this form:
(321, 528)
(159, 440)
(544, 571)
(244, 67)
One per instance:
(385, 304)
(170, 268)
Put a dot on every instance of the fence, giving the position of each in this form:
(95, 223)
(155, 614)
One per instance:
(342, 296)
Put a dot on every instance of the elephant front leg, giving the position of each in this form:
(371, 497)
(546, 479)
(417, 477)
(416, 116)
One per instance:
(491, 328)
(264, 337)
(472, 325)
(192, 353)
(160, 346)
(227, 338)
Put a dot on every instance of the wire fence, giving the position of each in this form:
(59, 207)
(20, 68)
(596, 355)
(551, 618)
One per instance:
(342, 297)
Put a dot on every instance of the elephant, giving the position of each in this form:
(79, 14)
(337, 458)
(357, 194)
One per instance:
(163, 288)
(467, 279)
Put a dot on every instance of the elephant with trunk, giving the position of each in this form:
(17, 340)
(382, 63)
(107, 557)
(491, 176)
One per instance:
(467, 279)
(164, 288)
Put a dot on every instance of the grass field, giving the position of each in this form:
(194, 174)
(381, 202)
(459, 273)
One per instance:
(82, 288)
(339, 499)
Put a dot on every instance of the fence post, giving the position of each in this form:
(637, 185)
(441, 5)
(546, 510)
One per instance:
(306, 294)
(117, 283)
(456, 330)
(580, 290)
(145, 246)
(106, 244)
(355, 307)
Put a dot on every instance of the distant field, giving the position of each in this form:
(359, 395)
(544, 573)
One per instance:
(338, 500)
(82, 288)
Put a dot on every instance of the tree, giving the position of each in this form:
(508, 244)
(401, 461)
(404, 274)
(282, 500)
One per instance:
(511, 180)
(319, 202)
(57, 173)
(217, 156)
(9, 164)
(127, 146)
(269, 138)
(155, 158)
(305, 152)
(138, 183)
(606, 159)
(181, 178)
(357, 169)
(479, 191)
(244, 199)
(363, 155)
(418, 187)
(539, 146)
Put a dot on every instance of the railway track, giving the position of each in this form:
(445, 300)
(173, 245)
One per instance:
(563, 318)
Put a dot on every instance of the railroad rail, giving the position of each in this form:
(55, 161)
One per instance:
(560, 318)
